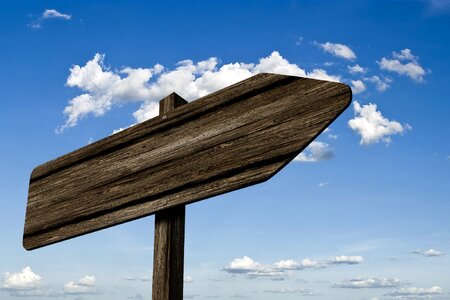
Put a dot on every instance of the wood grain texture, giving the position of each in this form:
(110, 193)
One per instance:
(168, 253)
(232, 138)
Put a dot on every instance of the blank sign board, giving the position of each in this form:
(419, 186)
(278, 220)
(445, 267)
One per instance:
(235, 137)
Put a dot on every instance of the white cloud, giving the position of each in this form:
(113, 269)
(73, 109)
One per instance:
(103, 88)
(309, 263)
(46, 15)
(54, 14)
(323, 75)
(323, 184)
(26, 284)
(85, 285)
(356, 69)
(339, 50)
(316, 151)
(381, 84)
(301, 291)
(290, 264)
(287, 264)
(370, 124)
(429, 252)
(243, 265)
(358, 86)
(362, 282)
(188, 279)
(346, 260)
(26, 279)
(404, 54)
(411, 69)
(332, 136)
(87, 281)
(406, 293)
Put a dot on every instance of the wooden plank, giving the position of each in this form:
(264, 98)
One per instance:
(168, 253)
(235, 137)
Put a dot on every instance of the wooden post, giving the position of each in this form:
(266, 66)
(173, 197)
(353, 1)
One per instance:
(168, 256)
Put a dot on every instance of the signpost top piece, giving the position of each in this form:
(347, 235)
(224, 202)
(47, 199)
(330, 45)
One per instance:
(232, 138)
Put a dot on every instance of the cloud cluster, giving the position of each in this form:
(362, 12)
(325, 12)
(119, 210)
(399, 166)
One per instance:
(25, 279)
(251, 268)
(46, 15)
(370, 124)
(339, 50)
(26, 283)
(84, 286)
(404, 63)
(316, 151)
(104, 88)
(363, 282)
(428, 252)
(347, 260)
(422, 293)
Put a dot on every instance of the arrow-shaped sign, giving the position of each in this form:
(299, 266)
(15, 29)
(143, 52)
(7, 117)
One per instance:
(233, 138)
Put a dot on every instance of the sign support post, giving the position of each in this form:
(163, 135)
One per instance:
(168, 256)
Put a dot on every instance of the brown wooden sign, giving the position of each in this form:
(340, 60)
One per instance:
(233, 138)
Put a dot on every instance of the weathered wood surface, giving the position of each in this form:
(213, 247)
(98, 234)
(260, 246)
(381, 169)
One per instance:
(232, 138)
(168, 252)
(168, 255)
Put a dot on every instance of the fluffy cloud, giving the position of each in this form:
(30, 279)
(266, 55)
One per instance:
(356, 69)
(243, 265)
(370, 124)
(26, 284)
(279, 270)
(381, 84)
(412, 68)
(407, 293)
(46, 15)
(404, 54)
(361, 282)
(85, 285)
(429, 252)
(25, 279)
(358, 86)
(338, 50)
(316, 151)
(103, 88)
(54, 14)
(346, 260)
(290, 264)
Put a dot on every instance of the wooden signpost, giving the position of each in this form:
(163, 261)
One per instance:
(235, 137)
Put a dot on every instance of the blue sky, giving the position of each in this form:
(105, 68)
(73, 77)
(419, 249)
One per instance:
(361, 214)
